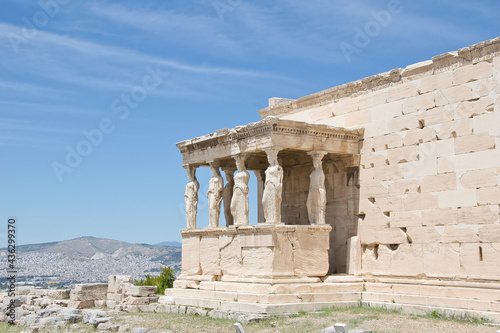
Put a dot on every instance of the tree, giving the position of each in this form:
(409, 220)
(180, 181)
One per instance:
(163, 281)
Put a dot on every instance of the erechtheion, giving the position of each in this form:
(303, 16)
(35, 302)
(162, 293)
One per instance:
(383, 191)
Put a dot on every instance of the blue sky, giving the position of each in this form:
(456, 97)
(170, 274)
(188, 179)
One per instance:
(139, 76)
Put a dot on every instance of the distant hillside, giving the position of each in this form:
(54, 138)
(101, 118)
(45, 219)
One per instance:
(90, 259)
(96, 248)
(173, 244)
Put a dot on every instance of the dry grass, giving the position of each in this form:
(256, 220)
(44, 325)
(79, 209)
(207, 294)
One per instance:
(377, 320)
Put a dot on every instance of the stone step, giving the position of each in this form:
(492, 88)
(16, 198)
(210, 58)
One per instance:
(432, 291)
(288, 288)
(264, 298)
(246, 307)
(434, 301)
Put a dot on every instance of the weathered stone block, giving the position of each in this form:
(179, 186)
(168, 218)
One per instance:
(456, 234)
(420, 102)
(426, 166)
(453, 95)
(400, 257)
(257, 261)
(419, 201)
(132, 300)
(473, 143)
(89, 292)
(191, 255)
(480, 260)
(404, 186)
(344, 105)
(487, 159)
(434, 217)
(358, 118)
(416, 136)
(478, 178)
(458, 198)
(209, 255)
(115, 282)
(478, 215)
(473, 72)
(403, 154)
(402, 91)
(81, 304)
(441, 259)
(469, 109)
(381, 235)
(436, 82)
(486, 122)
(423, 234)
(230, 254)
(437, 183)
(387, 141)
(403, 123)
(114, 297)
(353, 255)
(488, 196)
(436, 115)
(455, 128)
(371, 160)
(489, 233)
(310, 262)
(138, 291)
(283, 251)
(405, 219)
(372, 99)
(389, 172)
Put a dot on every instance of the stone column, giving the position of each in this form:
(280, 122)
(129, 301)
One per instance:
(191, 197)
(261, 176)
(214, 195)
(316, 199)
(239, 203)
(227, 194)
(273, 187)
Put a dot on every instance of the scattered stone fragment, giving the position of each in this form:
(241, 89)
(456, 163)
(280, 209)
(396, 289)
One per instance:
(239, 328)
(139, 330)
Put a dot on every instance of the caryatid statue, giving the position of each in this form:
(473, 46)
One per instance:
(227, 195)
(214, 195)
(239, 203)
(191, 197)
(316, 199)
(273, 187)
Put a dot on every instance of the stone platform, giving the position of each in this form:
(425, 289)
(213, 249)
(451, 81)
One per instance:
(285, 296)
(270, 296)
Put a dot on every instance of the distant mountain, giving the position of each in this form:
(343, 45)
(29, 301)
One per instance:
(169, 243)
(94, 248)
(91, 259)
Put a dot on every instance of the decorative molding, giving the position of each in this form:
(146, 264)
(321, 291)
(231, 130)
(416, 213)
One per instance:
(268, 126)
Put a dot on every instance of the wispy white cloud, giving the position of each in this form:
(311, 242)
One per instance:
(94, 65)
(23, 108)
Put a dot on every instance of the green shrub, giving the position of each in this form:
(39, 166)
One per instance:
(163, 281)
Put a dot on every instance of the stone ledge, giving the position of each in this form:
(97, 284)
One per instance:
(483, 51)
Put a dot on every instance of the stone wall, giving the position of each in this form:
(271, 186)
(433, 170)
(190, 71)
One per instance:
(430, 163)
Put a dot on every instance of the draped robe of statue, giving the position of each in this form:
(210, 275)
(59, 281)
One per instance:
(239, 202)
(191, 200)
(271, 198)
(316, 199)
(214, 195)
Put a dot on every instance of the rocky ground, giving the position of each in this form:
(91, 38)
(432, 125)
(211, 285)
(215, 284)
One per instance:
(56, 318)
